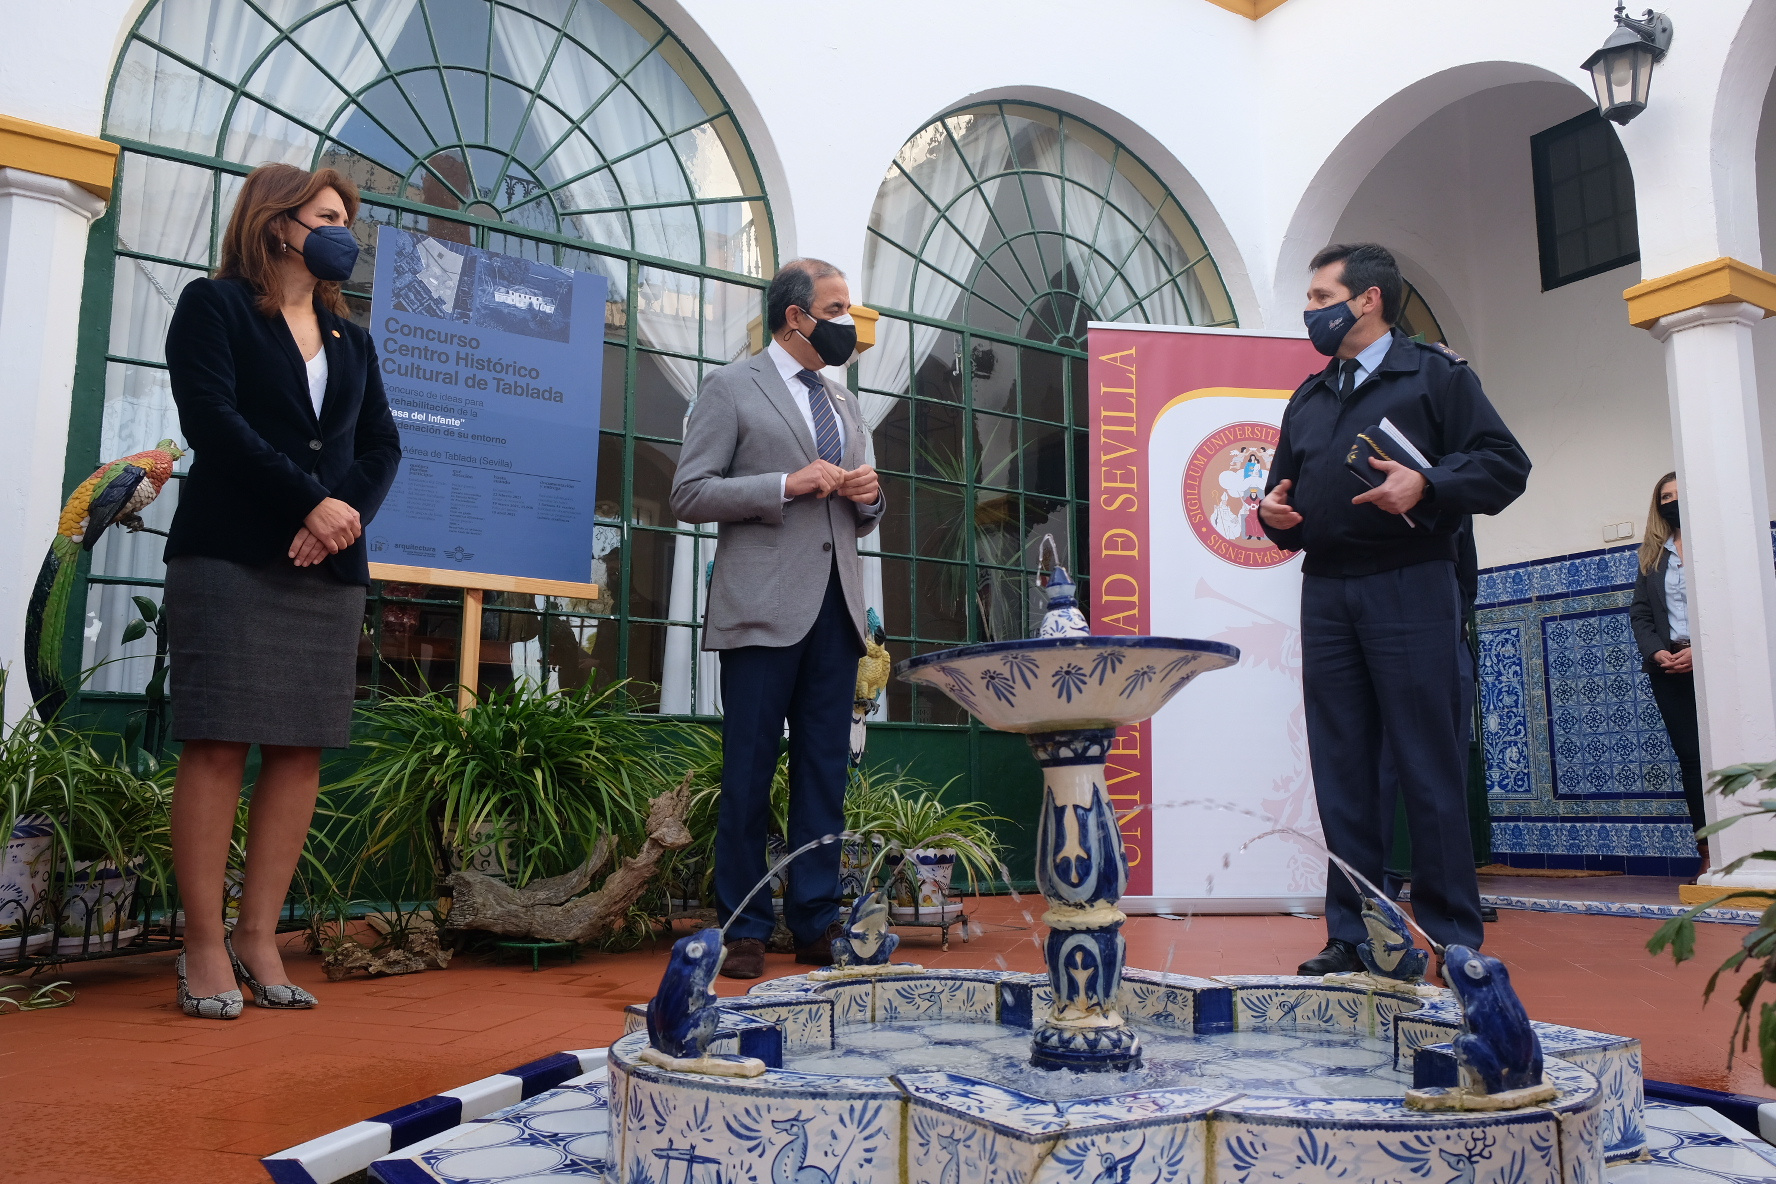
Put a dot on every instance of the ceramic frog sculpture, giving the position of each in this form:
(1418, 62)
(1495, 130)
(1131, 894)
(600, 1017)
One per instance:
(682, 1015)
(866, 940)
(1389, 952)
(1497, 1047)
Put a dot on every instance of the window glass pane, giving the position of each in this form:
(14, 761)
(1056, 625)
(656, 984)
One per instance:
(647, 664)
(897, 597)
(139, 412)
(1044, 460)
(109, 610)
(937, 441)
(995, 369)
(892, 435)
(996, 450)
(940, 528)
(655, 464)
(899, 692)
(942, 605)
(664, 388)
(732, 316)
(651, 555)
(610, 476)
(143, 297)
(895, 533)
(165, 209)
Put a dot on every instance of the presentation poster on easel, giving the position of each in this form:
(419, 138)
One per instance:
(493, 366)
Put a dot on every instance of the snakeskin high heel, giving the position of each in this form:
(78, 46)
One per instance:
(283, 996)
(226, 1006)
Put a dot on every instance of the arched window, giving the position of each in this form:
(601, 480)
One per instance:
(580, 132)
(999, 231)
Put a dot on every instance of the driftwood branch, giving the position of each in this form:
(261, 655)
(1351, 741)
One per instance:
(548, 910)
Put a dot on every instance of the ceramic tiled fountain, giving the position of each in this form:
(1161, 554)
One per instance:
(881, 1074)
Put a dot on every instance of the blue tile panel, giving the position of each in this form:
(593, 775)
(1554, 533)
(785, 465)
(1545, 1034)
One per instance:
(1579, 771)
(1606, 735)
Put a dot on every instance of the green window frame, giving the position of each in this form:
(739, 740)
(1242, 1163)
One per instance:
(614, 153)
(1000, 230)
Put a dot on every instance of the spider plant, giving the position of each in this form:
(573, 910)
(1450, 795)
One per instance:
(96, 808)
(532, 775)
(903, 813)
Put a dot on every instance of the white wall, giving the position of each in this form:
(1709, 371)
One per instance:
(1582, 389)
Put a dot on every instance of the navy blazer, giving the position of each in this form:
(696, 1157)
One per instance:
(261, 460)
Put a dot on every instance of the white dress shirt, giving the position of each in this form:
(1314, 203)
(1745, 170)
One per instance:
(317, 380)
(1370, 358)
(798, 394)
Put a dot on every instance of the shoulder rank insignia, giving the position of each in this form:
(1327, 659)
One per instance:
(1445, 351)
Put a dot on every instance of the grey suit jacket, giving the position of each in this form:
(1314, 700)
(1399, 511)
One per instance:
(774, 557)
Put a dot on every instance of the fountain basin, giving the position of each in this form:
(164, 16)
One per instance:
(944, 1126)
(1066, 684)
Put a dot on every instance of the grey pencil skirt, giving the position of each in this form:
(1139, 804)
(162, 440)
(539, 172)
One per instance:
(261, 655)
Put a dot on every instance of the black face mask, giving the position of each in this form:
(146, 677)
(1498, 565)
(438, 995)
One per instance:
(835, 340)
(1668, 511)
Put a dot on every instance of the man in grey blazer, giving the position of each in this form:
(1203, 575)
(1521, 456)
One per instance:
(774, 452)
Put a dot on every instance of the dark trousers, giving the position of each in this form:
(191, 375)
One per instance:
(1676, 696)
(811, 685)
(1382, 679)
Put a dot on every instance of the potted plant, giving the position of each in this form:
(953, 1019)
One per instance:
(526, 777)
(94, 826)
(923, 841)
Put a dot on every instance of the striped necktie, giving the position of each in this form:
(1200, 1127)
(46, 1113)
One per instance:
(826, 425)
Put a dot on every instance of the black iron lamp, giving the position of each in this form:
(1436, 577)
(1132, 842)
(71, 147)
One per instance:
(1622, 71)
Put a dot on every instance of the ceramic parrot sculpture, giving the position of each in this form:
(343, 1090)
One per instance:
(114, 495)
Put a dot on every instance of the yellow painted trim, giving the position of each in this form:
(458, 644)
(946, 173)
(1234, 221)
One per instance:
(445, 578)
(865, 319)
(1222, 392)
(1250, 8)
(1720, 281)
(88, 161)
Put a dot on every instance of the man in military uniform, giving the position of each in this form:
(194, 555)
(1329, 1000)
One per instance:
(1381, 609)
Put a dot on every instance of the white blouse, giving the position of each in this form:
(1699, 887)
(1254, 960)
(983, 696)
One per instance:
(317, 379)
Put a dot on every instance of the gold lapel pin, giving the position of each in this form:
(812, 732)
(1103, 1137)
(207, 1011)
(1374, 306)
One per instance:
(335, 332)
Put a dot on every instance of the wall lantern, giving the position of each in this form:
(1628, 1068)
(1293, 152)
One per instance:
(1622, 71)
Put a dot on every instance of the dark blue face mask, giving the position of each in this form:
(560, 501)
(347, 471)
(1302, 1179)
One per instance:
(1326, 327)
(330, 252)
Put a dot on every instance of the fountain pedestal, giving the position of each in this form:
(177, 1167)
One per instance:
(1067, 695)
(1081, 870)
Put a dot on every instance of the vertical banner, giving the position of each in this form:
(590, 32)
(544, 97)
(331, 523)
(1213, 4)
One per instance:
(1183, 428)
(494, 368)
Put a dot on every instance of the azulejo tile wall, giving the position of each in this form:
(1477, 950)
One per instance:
(1578, 768)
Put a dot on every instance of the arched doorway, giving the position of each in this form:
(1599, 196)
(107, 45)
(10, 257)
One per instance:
(1000, 230)
(581, 132)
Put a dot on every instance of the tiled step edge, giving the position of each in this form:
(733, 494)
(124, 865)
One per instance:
(1756, 1115)
(1612, 908)
(351, 1149)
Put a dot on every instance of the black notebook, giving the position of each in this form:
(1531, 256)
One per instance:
(1386, 442)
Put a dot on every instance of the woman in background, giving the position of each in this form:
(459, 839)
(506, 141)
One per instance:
(294, 449)
(1661, 619)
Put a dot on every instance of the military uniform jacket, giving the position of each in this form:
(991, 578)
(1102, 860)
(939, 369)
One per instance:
(1433, 398)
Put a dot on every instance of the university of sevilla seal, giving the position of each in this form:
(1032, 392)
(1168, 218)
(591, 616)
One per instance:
(1223, 485)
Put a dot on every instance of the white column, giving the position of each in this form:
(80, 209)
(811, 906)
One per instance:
(1726, 526)
(43, 230)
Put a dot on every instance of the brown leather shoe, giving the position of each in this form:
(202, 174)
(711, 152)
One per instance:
(746, 958)
(819, 951)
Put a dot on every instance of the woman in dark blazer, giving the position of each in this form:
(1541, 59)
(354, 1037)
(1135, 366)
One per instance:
(1661, 620)
(293, 450)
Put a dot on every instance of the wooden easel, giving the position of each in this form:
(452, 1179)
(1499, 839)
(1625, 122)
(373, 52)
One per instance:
(475, 588)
